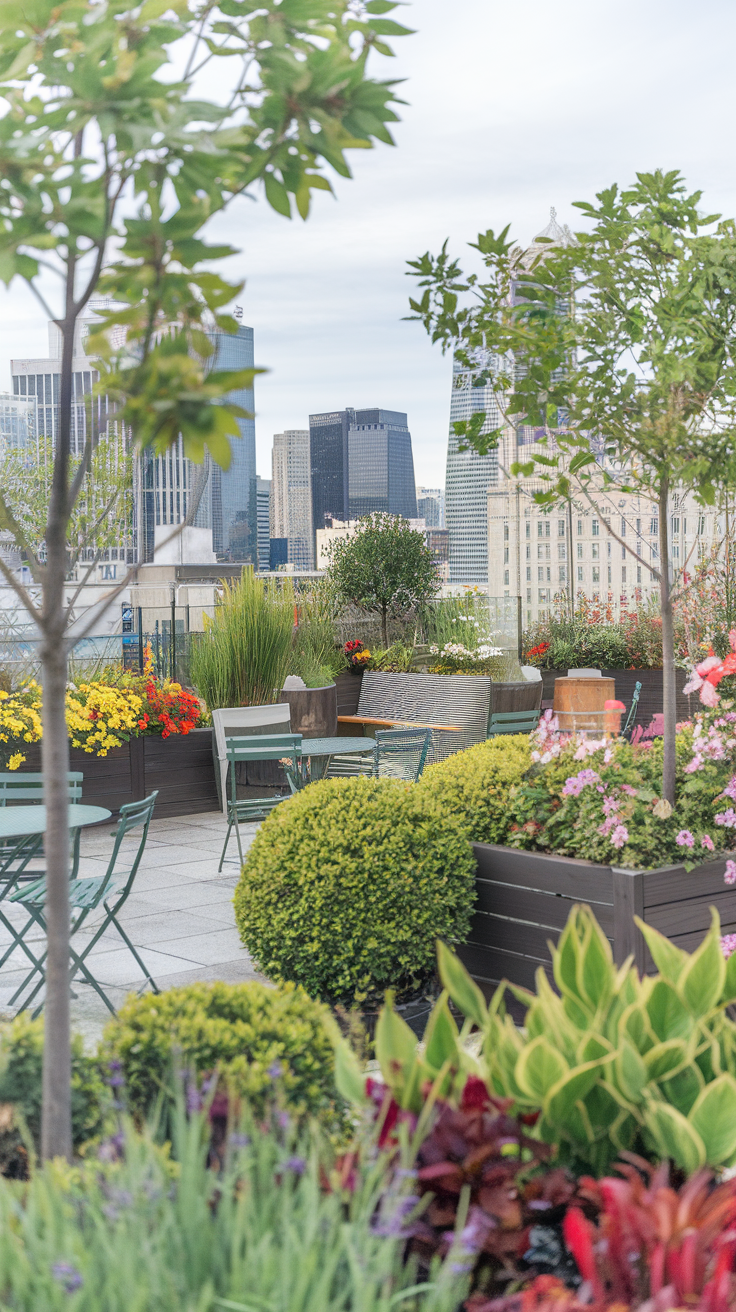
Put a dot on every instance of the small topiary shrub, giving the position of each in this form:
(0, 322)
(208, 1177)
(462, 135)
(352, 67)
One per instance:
(475, 785)
(21, 1065)
(268, 1044)
(349, 884)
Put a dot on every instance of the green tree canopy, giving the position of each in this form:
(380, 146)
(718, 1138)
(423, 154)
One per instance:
(619, 348)
(385, 568)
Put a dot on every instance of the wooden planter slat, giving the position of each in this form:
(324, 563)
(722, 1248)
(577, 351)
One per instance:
(180, 767)
(524, 898)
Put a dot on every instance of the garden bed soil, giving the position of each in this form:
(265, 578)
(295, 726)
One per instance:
(523, 900)
(181, 768)
(650, 700)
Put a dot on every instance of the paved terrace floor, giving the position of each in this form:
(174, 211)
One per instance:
(179, 916)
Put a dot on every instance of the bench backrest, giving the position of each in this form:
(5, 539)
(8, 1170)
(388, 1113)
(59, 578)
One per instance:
(433, 699)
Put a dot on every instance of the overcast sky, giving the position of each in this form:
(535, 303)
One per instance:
(512, 108)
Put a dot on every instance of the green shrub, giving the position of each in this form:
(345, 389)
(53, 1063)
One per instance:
(349, 883)
(475, 785)
(266, 1043)
(21, 1063)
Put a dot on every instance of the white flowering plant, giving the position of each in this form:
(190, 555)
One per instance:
(457, 658)
(602, 801)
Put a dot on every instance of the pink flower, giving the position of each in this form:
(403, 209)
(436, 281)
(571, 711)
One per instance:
(577, 782)
(708, 695)
(685, 839)
(729, 874)
(728, 944)
(620, 836)
(707, 842)
(727, 818)
(626, 788)
(730, 789)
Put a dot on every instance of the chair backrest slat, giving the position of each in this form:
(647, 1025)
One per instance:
(402, 753)
(261, 747)
(27, 786)
(242, 722)
(513, 722)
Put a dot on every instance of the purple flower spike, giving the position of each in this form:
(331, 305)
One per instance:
(67, 1276)
(295, 1164)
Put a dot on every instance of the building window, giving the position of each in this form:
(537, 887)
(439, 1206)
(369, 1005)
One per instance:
(684, 527)
(505, 532)
(563, 574)
(675, 524)
(596, 551)
(596, 574)
(549, 574)
(580, 528)
(506, 577)
(623, 553)
(623, 527)
(609, 573)
(505, 555)
(540, 529)
(596, 528)
(676, 550)
(580, 551)
(528, 573)
(654, 527)
(561, 551)
(638, 528)
(623, 573)
(528, 550)
(638, 573)
(528, 529)
(547, 528)
(560, 528)
(540, 574)
(528, 596)
(580, 573)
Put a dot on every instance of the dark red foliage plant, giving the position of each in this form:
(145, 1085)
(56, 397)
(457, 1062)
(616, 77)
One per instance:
(653, 1248)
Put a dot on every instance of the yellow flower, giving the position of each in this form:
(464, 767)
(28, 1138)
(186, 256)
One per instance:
(16, 759)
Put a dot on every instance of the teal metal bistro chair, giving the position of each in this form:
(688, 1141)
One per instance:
(109, 891)
(631, 717)
(286, 747)
(19, 789)
(512, 722)
(398, 754)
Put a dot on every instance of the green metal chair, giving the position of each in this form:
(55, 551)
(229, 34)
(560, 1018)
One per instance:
(398, 754)
(512, 722)
(109, 891)
(286, 747)
(631, 717)
(26, 788)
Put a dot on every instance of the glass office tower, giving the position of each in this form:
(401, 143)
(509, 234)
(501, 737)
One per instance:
(233, 491)
(328, 461)
(469, 477)
(380, 465)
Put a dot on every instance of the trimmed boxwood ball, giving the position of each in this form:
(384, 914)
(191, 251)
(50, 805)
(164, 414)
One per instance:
(474, 785)
(268, 1044)
(348, 885)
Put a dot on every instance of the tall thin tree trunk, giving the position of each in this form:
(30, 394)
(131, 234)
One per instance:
(56, 1131)
(668, 648)
(384, 624)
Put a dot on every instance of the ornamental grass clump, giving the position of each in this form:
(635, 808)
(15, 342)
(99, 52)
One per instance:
(243, 656)
(475, 785)
(266, 1045)
(348, 885)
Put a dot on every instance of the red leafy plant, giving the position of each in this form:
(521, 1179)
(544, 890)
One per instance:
(477, 1157)
(653, 1247)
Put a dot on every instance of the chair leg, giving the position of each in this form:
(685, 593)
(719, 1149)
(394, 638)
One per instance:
(237, 835)
(148, 977)
(224, 848)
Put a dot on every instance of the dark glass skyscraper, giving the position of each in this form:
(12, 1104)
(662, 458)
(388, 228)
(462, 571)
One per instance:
(233, 490)
(380, 465)
(361, 461)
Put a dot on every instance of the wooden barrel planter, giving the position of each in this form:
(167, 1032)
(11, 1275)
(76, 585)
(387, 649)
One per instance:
(313, 710)
(180, 767)
(650, 701)
(524, 899)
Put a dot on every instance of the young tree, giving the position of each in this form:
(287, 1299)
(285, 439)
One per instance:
(384, 568)
(619, 348)
(111, 164)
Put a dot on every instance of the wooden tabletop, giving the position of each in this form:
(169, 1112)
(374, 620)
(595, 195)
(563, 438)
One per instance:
(409, 724)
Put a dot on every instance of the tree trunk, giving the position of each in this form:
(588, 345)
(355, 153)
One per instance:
(668, 649)
(56, 1124)
(56, 1134)
(384, 624)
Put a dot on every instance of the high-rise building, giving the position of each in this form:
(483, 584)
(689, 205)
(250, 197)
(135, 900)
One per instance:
(380, 465)
(361, 461)
(17, 422)
(263, 523)
(227, 506)
(36, 388)
(469, 476)
(431, 506)
(291, 496)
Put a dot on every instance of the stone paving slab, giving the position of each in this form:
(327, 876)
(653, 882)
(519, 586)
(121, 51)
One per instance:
(179, 916)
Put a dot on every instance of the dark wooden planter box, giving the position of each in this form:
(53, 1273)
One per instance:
(348, 687)
(180, 767)
(650, 700)
(524, 899)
